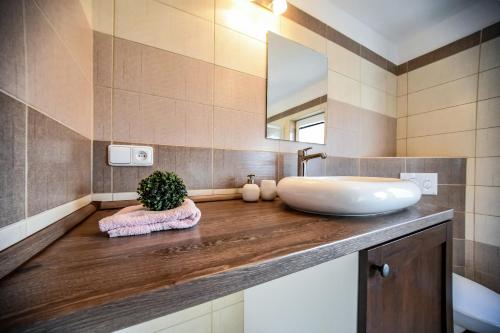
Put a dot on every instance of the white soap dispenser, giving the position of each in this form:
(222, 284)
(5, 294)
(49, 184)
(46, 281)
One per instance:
(251, 191)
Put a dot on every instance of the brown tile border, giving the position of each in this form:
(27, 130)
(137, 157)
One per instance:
(462, 44)
(490, 32)
(301, 17)
(298, 108)
(445, 51)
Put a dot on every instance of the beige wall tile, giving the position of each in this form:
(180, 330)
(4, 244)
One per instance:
(489, 84)
(469, 226)
(12, 64)
(488, 171)
(156, 24)
(343, 61)
(454, 93)
(103, 16)
(344, 116)
(490, 54)
(199, 124)
(155, 120)
(163, 121)
(401, 148)
(239, 52)
(149, 119)
(487, 199)
(471, 171)
(373, 75)
(391, 108)
(69, 21)
(488, 142)
(459, 144)
(241, 130)
(455, 119)
(126, 109)
(469, 198)
(401, 128)
(487, 229)
(344, 89)
(341, 142)
(176, 76)
(56, 85)
(402, 84)
(247, 18)
(127, 65)
(373, 99)
(229, 320)
(102, 113)
(448, 69)
(391, 83)
(302, 35)
(201, 8)
(402, 106)
(239, 91)
(377, 135)
(488, 113)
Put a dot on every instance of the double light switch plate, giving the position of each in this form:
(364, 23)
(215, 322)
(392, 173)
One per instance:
(426, 181)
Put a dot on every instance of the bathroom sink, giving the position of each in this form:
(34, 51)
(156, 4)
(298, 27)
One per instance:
(348, 195)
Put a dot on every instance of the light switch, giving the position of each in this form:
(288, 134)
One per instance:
(125, 155)
(119, 154)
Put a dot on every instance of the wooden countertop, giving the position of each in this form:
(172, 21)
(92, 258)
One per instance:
(86, 281)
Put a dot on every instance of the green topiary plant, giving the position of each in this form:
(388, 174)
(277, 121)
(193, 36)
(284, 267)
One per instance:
(161, 191)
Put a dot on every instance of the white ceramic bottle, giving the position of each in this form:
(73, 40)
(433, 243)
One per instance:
(268, 190)
(251, 191)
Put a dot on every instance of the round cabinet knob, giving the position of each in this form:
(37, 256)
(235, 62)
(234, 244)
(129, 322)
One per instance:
(384, 270)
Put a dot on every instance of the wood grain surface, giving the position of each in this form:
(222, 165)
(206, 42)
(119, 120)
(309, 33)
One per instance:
(19, 253)
(86, 281)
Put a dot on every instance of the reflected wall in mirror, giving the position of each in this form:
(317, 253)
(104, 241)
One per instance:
(297, 85)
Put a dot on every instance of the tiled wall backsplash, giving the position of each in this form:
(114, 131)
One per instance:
(201, 82)
(448, 105)
(45, 112)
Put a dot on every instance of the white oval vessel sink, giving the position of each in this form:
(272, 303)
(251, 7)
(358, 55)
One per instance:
(348, 195)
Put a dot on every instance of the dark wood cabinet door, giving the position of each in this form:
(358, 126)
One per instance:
(412, 292)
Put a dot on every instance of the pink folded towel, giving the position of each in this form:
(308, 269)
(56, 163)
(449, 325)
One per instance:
(137, 220)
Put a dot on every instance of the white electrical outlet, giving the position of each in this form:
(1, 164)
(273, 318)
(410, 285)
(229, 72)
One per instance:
(426, 181)
(124, 155)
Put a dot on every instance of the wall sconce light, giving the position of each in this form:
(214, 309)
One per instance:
(278, 7)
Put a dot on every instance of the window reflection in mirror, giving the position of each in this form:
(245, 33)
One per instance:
(296, 91)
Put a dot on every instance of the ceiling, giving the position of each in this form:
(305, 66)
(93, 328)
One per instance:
(397, 20)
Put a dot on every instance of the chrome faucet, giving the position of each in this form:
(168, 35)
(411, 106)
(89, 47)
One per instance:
(302, 159)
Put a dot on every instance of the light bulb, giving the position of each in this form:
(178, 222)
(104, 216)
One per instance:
(279, 7)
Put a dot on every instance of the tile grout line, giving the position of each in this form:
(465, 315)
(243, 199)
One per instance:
(25, 42)
(31, 106)
(112, 95)
(475, 151)
(212, 150)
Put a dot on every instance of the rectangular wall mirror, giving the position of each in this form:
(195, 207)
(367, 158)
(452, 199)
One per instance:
(297, 85)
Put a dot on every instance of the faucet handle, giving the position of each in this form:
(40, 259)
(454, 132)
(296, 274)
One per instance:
(306, 149)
